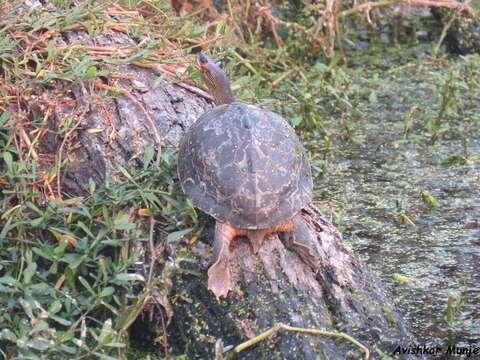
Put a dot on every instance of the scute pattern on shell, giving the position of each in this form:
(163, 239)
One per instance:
(245, 166)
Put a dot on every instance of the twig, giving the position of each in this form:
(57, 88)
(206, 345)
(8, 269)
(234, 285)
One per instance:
(164, 337)
(282, 77)
(202, 43)
(444, 33)
(279, 326)
(408, 65)
(116, 26)
(296, 27)
(158, 68)
(60, 153)
(265, 13)
(247, 64)
(161, 70)
(42, 131)
(143, 299)
(194, 90)
(25, 138)
(328, 18)
(116, 9)
(153, 256)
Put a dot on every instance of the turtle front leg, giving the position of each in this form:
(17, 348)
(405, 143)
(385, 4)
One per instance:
(219, 279)
(256, 237)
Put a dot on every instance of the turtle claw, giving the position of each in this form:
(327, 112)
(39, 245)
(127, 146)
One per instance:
(219, 279)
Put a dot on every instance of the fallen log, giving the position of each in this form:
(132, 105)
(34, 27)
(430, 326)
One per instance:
(337, 297)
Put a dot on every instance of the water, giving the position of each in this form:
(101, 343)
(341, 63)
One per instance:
(375, 184)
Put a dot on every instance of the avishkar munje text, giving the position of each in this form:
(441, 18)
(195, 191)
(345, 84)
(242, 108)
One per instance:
(414, 349)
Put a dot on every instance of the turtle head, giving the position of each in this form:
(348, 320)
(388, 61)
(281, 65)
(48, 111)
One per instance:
(216, 79)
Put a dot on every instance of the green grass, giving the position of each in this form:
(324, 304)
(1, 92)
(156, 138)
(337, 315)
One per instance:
(75, 271)
(70, 283)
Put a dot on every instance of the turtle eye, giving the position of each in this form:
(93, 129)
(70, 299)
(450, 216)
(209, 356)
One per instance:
(202, 59)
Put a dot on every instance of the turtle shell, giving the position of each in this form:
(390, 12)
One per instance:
(244, 166)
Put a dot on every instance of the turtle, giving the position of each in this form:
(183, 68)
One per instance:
(245, 167)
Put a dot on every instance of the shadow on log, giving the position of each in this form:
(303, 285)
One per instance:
(273, 286)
